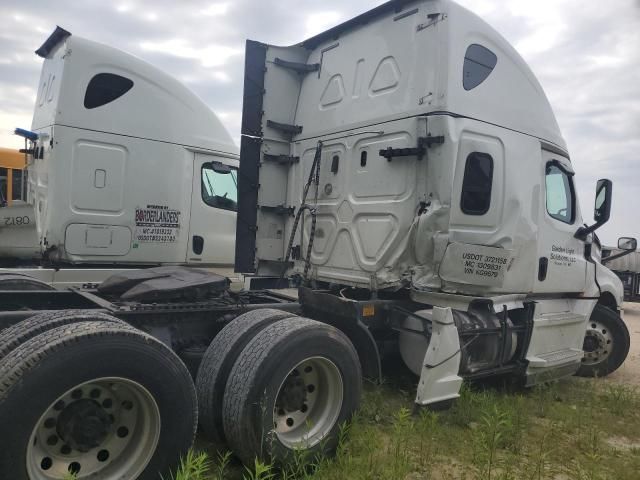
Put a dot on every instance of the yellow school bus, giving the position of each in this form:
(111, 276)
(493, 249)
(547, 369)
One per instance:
(12, 176)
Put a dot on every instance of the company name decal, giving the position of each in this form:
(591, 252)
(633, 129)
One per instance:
(563, 256)
(157, 224)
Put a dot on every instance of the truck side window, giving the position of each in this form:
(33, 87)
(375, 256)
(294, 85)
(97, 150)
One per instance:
(476, 184)
(479, 62)
(560, 195)
(220, 186)
(104, 88)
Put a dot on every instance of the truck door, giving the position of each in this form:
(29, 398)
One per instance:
(561, 262)
(213, 211)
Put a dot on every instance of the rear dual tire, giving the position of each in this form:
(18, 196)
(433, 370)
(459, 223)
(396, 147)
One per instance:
(218, 361)
(291, 388)
(96, 398)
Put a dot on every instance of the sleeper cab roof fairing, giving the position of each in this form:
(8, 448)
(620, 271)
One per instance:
(362, 19)
(486, 78)
(144, 102)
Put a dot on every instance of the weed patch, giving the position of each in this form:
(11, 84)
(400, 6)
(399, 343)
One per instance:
(576, 429)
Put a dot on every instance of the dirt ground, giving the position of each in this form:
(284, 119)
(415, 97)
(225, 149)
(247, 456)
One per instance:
(629, 372)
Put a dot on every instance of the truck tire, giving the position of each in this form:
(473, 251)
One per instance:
(17, 334)
(218, 361)
(90, 398)
(19, 281)
(606, 343)
(290, 389)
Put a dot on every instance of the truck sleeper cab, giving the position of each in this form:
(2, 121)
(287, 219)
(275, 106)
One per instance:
(125, 163)
(411, 151)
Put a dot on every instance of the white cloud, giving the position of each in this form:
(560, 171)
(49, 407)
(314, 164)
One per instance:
(543, 39)
(208, 56)
(480, 7)
(8, 123)
(215, 9)
(320, 21)
(12, 94)
(221, 76)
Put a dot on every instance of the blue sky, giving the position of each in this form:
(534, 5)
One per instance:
(586, 56)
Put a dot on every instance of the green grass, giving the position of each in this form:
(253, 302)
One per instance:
(575, 429)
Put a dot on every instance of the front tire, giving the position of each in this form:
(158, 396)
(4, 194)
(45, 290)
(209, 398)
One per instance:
(606, 343)
(97, 399)
(291, 388)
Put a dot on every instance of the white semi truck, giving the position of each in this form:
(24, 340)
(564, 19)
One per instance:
(127, 168)
(405, 170)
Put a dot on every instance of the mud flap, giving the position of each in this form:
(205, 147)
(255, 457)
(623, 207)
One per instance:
(439, 380)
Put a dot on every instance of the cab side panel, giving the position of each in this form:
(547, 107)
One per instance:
(126, 200)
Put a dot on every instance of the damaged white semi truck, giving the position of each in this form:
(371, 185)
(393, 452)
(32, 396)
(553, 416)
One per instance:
(405, 170)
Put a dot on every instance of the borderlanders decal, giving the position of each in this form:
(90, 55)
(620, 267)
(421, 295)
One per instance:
(157, 224)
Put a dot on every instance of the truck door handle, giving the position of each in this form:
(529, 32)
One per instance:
(543, 265)
(389, 153)
(419, 151)
(197, 244)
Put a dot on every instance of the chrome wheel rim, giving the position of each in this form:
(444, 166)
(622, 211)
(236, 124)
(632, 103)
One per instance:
(598, 344)
(104, 428)
(308, 403)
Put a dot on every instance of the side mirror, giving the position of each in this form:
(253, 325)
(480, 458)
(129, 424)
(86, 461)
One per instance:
(602, 209)
(627, 244)
(220, 168)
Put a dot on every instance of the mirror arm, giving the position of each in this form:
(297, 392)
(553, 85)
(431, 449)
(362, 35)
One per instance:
(582, 232)
(617, 255)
